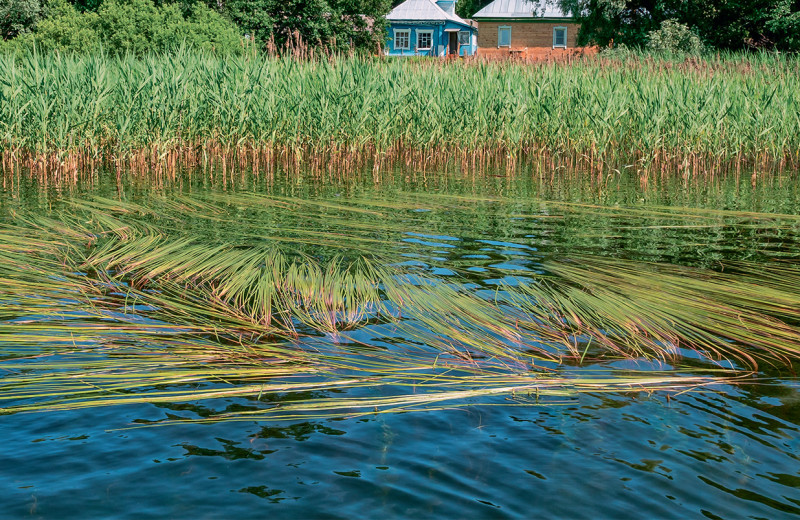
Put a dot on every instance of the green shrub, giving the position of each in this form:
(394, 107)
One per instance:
(129, 26)
(202, 28)
(674, 37)
(64, 30)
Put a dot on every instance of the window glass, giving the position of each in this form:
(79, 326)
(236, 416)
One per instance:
(401, 39)
(424, 39)
(559, 37)
(504, 37)
(463, 37)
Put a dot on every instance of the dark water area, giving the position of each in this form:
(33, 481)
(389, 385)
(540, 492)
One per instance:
(726, 455)
(726, 451)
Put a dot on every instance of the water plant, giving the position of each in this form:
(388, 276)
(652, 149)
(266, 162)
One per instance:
(111, 302)
(68, 116)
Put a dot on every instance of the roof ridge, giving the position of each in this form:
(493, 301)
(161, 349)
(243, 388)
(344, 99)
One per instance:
(440, 12)
(439, 8)
(523, 9)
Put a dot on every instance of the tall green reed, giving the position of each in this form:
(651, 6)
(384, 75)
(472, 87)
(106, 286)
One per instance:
(698, 116)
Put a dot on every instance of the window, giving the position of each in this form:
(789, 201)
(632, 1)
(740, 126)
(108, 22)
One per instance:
(424, 40)
(402, 39)
(463, 37)
(504, 36)
(560, 37)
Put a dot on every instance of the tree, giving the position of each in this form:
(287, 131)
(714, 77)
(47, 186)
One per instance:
(200, 28)
(64, 29)
(721, 24)
(128, 25)
(331, 23)
(784, 25)
(136, 26)
(467, 8)
(17, 16)
(619, 21)
(86, 5)
(139, 26)
(359, 23)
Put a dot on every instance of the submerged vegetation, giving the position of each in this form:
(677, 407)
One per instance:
(68, 115)
(116, 302)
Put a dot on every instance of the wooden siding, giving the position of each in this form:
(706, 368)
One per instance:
(525, 34)
(440, 38)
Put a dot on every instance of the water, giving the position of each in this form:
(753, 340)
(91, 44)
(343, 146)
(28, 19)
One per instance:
(725, 455)
(728, 451)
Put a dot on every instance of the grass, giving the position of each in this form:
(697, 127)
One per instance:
(106, 302)
(69, 116)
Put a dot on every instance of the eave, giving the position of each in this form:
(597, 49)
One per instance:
(526, 20)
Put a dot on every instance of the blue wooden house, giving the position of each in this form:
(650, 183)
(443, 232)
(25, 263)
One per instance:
(429, 28)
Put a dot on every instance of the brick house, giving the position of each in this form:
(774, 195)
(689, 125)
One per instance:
(524, 24)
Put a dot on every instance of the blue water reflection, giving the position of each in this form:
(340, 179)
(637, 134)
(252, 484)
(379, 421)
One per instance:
(728, 455)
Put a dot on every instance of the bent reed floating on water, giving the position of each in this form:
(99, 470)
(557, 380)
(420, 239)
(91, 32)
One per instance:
(105, 303)
(69, 115)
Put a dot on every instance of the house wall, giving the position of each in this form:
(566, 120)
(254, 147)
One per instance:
(525, 33)
(440, 38)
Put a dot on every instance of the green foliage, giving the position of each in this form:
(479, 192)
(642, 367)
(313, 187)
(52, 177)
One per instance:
(467, 8)
(360, 23)
(64, 30)
(254, 18)
(130, 26)
(86, 5)
(336, 24)
(784, 25)
(138, 26)
(720, 24)
(203, 28)
(674, 37)
(17, 16)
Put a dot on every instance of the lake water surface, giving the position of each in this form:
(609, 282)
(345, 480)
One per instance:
(726, 451)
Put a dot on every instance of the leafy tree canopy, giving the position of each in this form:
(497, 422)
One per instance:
(333, 23)
(17, 16)
(466, 8)
(136, 26)
(721, 24)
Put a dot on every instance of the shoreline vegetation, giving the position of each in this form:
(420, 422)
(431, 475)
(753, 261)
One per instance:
(67, 116)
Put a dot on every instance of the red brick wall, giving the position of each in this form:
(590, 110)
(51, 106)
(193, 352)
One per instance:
(525, 34)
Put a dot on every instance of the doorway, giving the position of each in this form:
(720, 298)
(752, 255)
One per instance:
(452, 44)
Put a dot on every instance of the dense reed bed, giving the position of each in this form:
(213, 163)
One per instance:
(69, 115)
(114, 302)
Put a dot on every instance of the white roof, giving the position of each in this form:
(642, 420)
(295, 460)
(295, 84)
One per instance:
(521, 9)
(421, 10)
